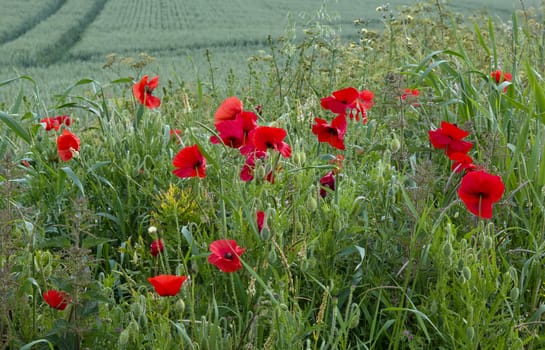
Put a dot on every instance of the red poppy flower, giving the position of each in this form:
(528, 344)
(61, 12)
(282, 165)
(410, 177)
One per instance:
(67, 144)
(267, 137)
(479, 190)
(408, 93)
(228, 110)
(175, 133)
(260, 218)
(63, 119)
(50, 123)
(461, 162)
(449, 137)
(189, 163)
(226, 255)
(56, 299)
(500, 77)
(349, 99)
(167, 285)
(143, 92)
(332, 134)
(230, 133)
(156, 247)
(247, 171)
(327, 181)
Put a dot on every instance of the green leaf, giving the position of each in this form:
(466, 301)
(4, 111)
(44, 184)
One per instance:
(538, 92)
(39, 341)
(15, 127)
(68, 171)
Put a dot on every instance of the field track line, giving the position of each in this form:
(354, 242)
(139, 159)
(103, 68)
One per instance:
(23, 29)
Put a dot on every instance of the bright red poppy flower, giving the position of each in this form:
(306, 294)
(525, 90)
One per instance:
(50, 123)
(332, 134)
(499, 77)
(349, 99)
(479, 190)
(67, 144)
(143, 90)
(226, 255)
(228, 109)
(156, 247)
(189, 162)
(167, 285)
(267, 137)
(327, 181)
(230, 132)
(449, 137)
(260, 218)
(56, 299)
(462, 162)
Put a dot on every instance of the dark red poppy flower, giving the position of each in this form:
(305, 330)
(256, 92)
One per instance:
(267, 137)
(143, 92)
(167, 285)
(56, 299)
(156, 247)
(332, 134)
(350, 100)
(462, 162)
(228, 110)
(479, 190)
(247, 171)
(327, 181)
(67, 144)
(260, 218)
(189, 162)
(226, 255)
(449, 137)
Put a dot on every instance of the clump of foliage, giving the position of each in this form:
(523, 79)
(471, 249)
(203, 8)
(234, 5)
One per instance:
(356, 237)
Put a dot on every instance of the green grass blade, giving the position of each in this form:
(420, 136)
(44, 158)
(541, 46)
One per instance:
(15, 127)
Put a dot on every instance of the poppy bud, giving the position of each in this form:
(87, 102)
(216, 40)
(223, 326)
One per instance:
(395, 145)
(470, 332)
(447, 250)
(299, 158)
(271, 257)
(466, 272)
(180, 305)
(265, 233)
(515, 293)
(488, 243)
(312, 204)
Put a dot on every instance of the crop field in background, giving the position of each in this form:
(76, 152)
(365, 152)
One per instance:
(58, 41)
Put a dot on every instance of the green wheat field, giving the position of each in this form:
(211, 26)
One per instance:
(272, 174)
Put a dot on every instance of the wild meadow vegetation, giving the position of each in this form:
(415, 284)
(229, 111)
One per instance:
(382, 194)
